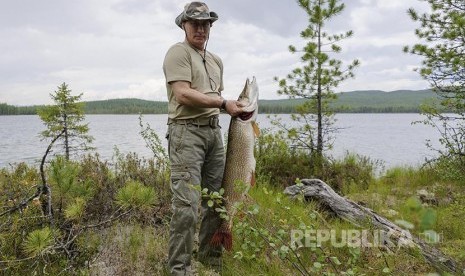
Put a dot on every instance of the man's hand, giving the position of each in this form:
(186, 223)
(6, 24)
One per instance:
(234, 108)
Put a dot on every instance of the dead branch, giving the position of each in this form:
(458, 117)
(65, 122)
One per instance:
(361, 216)
(43, 189)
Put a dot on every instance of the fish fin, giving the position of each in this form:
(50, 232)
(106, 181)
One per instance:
(256, 129)
(222, 236)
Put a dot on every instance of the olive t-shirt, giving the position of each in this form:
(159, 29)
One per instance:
(184, 63)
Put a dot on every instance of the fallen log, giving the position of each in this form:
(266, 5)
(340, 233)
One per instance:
(348, 210)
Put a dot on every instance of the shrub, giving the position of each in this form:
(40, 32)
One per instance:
(86, 195)
(277, 162)
(351, 170)
(449, 168)
(280, 164)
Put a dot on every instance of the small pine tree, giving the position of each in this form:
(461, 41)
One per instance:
(316, 79)
(442, 34)
(66, 117)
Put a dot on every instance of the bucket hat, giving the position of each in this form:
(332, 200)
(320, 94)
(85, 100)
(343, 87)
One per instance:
(196, 11)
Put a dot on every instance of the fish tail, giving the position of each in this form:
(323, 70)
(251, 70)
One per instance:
(222, 236)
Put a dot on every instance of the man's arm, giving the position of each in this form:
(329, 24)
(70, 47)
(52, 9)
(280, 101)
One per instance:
(185, 95)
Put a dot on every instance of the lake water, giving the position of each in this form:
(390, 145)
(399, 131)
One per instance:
(390, 138)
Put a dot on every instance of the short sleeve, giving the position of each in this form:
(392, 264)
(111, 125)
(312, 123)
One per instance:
(221, 75)
(177, 64)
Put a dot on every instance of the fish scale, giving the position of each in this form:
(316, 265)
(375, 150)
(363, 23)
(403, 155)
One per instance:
(239, 172)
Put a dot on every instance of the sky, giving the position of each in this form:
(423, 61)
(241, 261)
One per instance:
(109, 49)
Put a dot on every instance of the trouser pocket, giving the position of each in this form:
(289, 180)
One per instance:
(181, 186)
(177, 137)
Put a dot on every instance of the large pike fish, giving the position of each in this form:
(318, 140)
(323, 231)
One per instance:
(239, 172)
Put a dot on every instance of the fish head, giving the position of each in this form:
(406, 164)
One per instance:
(249, 99)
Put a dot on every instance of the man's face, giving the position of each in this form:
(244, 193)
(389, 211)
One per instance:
(197, 32)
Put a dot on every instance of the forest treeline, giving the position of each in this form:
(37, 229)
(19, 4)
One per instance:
(371, 101)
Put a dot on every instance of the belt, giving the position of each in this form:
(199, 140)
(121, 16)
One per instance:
(212, 121)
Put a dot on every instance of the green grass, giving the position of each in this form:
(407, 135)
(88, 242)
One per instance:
(399, 188)
(277, 212)
(262, 245)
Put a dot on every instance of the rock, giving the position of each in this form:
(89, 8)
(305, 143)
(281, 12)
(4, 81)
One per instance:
(427, 197)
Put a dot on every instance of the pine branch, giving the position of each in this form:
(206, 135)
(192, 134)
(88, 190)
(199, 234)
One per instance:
(43, 189)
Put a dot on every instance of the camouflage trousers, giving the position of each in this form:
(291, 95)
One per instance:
(197, 158)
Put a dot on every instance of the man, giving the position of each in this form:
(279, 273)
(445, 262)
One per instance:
(194, 81)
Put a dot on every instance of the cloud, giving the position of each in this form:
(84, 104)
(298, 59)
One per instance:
(123, 52)
(284, 18)
(255, 52)
(115, 49)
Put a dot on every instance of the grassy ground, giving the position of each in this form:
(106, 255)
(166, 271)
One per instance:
(262, 233)
(418, 199)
